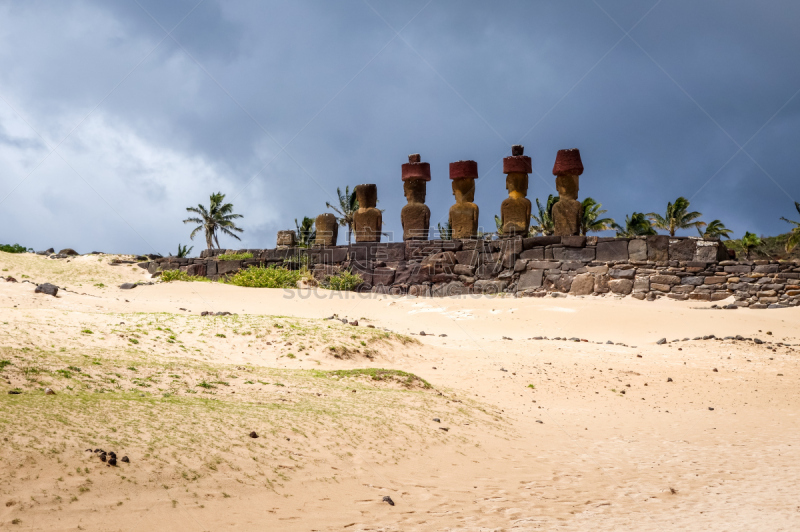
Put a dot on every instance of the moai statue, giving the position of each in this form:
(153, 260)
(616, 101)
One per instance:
(367, 220)
(327, 230)
(415, 216)
(286, 239)
(568, 211)
(515, 211)
(464, 214)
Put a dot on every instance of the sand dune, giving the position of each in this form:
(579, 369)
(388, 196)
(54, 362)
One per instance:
(541, 433)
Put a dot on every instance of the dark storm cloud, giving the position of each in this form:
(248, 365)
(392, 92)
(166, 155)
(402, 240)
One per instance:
(278, 104)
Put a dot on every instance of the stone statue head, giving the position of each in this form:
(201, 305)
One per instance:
(415, 190)
(464, 190)
(567, 186)
(517, 184)
(367, 196)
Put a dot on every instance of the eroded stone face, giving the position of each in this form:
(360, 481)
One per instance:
(327, 230)
(367, 220)
(464, 214)
(286, 238)
(415, 216)
(515, 211)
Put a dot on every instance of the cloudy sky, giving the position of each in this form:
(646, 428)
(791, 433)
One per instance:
(117, 115)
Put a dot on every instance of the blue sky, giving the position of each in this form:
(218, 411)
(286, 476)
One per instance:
(115, 116)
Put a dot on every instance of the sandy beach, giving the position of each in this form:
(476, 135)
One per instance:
(506, 414)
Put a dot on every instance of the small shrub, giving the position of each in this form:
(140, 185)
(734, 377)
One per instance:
(267, 277)
(221, 335)
(291, 355)
(15, 248)
(343, 280)
(4, 363)
(87, 331)
(235, 256)
(206, 385)
(177, 275)
(133, 340)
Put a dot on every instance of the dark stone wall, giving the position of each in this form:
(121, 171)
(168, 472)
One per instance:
(643, 267)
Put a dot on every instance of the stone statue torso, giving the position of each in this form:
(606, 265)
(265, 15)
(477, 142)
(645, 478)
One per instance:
(464, 220)
(416, 219)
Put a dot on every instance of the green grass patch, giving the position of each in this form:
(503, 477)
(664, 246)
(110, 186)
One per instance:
(177, 275)
(268, 277)
(14, 248)
(344, 280)
(235, 256)
(377, 374)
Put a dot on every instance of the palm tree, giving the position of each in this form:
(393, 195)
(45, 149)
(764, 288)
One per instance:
(636, 224)
(715, 229)
(544, 220)
(306, 234)
(218, 217)
(348, 205)
(749, 242)
(794, 237)
(677, 217)
(183, 251)
(499, 223)
(445, 231)
(591, 221)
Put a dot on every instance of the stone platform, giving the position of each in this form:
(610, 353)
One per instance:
(642, 267)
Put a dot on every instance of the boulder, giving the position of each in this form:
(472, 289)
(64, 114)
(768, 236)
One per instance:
(530, 279)
(621, 286)
(68, 252)
(47, 288)
(682, 250)
(582, 285)
(490, 287)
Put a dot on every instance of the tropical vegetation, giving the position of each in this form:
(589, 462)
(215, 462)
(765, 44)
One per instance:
(235, 256)
(217, 218)
(794, 236)
(715, 229)
(15, 248)
(348, 205)
(306, 233)
(636, 224)
(591, 221)
(544, 219)
(677, 217)
(750, 242)
(183, 251)
(445, 231)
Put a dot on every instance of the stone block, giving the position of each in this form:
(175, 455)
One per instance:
(543, 265)
(540, 241)
(715, 279)
(601, 283)
(487, 271)
(661, 287)
(413, 273)
(719, 296)
(573, 241)
(463, 269)
(520, 265)
(490, 287)
(621, 286)
(419, 249)
(390, 251)
(637, 250)
(225, 267)
(383, 276)
(665, 279)
(574, 253)
(739, 268)
(682, 249)
(658, 248)
(582, 285)
(767, 268)
(612, 251)
(468, 257)
(693, 280)
(533, 254)
(682, 289)
(196, 269)
(530, 279)
(615, 273)
(641, 284)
